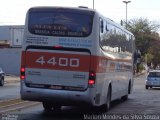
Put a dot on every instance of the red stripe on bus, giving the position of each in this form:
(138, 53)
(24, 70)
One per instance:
(69, 62)
(57, 61)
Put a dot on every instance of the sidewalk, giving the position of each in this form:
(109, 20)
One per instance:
(11, 79)
(140, 73)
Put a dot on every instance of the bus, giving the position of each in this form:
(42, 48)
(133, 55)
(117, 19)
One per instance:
(75, 56)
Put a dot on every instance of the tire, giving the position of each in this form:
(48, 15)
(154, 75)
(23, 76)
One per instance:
(107, 105)
(129, 88)
(146, 87)
(108, 102)
(49, 106)
(2, 82)
(124, 98)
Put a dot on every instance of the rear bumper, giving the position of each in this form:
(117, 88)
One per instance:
(59, 97)
(153, 83)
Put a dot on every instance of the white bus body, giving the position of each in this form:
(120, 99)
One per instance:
(75, 56)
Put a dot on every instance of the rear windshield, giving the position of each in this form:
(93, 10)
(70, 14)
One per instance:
(154, 74)
(60, 23)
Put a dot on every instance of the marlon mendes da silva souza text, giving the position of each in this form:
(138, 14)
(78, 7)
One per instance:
(121, 117)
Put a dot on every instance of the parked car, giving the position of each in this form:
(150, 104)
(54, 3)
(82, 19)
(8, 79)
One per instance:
(153, 79)
(1, 77)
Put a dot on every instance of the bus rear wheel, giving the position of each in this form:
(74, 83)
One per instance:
(50, 106)
(125, 97)
(106, 106)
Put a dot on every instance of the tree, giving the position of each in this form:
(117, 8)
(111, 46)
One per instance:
(148, 58)
(147, 37)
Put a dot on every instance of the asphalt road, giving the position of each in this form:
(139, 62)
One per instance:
(142, 104)
(9, 91)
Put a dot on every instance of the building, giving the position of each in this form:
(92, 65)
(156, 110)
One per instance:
(11, 37)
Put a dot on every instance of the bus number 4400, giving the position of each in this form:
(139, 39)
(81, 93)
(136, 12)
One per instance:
(72, 62)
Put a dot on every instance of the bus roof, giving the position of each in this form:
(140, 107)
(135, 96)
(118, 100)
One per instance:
(39, 8)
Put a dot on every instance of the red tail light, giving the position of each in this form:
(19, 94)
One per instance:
(57, 46)
(91, 82)
(22, 73)
(92, 78)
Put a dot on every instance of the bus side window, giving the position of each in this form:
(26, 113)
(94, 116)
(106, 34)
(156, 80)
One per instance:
(106, 28)
(101, 26)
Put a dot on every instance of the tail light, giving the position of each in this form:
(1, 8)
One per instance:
(92, 78)
(22, 73)
(57, 47)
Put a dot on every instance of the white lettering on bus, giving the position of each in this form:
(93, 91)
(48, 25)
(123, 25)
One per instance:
(62, 62)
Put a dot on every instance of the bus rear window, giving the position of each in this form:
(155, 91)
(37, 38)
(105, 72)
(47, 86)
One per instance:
(60, 23)
(154, 74)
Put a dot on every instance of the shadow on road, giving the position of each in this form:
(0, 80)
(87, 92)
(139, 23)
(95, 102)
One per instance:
(77, 113)
(71, 113)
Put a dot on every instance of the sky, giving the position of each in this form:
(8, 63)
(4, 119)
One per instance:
(13, 12)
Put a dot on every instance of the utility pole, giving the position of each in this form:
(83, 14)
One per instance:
(126, 2)
(93, 4)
